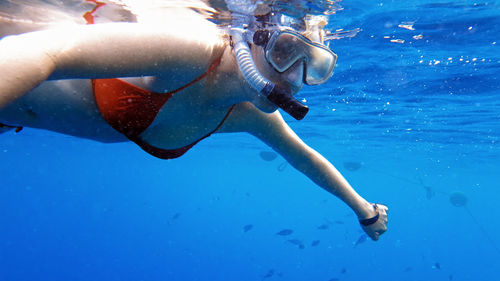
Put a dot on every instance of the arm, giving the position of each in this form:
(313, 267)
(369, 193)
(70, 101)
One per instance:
(272, 129)
(104, 51)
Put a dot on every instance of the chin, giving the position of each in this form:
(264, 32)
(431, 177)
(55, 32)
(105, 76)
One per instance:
(263, 104)
(267, 108)
(296, 88)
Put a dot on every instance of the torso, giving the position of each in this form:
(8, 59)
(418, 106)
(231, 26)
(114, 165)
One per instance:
(69, 107)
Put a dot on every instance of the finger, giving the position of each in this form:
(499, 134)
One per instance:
(385, 208)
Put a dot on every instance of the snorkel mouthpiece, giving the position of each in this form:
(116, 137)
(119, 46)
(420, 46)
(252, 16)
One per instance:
(285, 100)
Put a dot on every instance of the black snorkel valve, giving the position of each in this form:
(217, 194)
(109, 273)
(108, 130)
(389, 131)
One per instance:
(285, 100)
(281, 97)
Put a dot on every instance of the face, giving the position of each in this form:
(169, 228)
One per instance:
(291, 79)
(286, 47)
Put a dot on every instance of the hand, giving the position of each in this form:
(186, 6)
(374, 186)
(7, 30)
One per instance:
(379, 226)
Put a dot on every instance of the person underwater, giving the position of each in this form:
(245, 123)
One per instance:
(167, 87)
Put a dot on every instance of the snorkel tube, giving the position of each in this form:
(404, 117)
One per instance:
(279, 96)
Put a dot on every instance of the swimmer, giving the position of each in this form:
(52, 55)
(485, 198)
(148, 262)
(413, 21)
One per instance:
(166, 87)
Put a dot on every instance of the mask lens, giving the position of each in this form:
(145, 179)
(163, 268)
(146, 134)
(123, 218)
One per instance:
(320, 65)
(285, 48)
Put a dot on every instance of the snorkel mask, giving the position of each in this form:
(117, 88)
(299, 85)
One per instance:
(282, 48)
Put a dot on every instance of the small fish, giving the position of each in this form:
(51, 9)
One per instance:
(429, 193)
(282, 166)
(269, 274)
(247, 227)
(352, 166)
(294, 241)
(323, 226)
(176, 216)
(361, 240)
(408, 269)
(315, 243)
(334, 279)
(344, 270)
(268, 155)
(339, 222)
(285, 232)
(436, 266)
(450, 277)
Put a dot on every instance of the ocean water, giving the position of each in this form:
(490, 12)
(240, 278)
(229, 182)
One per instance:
(411, 118)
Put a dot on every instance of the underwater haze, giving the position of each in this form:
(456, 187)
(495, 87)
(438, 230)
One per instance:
(411, 118)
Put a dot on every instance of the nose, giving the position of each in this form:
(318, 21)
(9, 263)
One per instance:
(295, 74)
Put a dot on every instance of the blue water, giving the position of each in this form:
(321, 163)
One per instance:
(421, 118)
